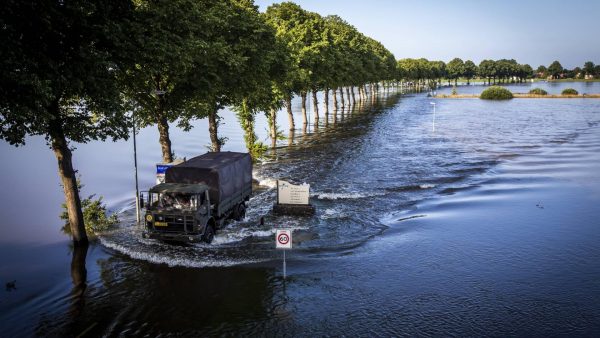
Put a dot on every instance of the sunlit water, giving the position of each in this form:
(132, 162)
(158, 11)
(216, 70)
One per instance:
(486, 225)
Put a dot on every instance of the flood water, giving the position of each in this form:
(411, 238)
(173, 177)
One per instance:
(488, 225)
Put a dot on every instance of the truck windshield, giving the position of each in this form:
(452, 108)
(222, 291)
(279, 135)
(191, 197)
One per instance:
(168, 200)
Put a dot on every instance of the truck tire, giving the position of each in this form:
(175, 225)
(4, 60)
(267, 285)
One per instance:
(209, 234)
(240, 212)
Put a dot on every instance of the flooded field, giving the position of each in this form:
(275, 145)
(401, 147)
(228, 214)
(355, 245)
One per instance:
(486, 226)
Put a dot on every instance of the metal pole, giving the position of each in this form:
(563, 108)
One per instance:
(137, 192)
(283, 263)
(434, 118)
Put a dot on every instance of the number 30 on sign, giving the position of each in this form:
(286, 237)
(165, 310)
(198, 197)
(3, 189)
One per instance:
(283, 239)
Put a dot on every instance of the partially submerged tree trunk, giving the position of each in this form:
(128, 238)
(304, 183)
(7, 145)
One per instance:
(342, 97)
(288, 106)
(67, 175)
(246, 118)
(335, 101)
(315, 107)
(291, 135)
(163, 132)
(304, 119)
(213, 126)
(273, 127)
(326, 105)
(353, 97)
(164, 139)
(348, 95)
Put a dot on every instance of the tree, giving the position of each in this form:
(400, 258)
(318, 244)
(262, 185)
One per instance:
(541, 71)
(58, 80)
(588, 68)
(525, 72)
(555, 69)
(470, 69)
(456, 69)
(487, 69)
(174, 63)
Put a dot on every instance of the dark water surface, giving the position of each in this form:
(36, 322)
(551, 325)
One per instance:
(488, 226)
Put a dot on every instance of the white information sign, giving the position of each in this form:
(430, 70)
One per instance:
(283, 239)
(292, 194)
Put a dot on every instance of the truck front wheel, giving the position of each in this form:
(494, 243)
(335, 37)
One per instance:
(240, 213)
(209, 234)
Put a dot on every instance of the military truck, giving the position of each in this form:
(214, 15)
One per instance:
(198, 196)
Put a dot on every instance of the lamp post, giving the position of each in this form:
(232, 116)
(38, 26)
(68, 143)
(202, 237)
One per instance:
(433, 104)
(137, 191)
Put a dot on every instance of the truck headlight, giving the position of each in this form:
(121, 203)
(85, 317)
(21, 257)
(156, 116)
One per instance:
(149, 218)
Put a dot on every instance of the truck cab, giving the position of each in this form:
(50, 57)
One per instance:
(198, 196)
(179, 212)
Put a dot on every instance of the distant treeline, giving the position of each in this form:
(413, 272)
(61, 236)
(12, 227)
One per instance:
(432, 73)
(83, 70)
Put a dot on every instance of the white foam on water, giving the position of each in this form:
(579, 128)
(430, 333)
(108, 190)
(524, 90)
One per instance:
(343, 196)
(268, 182)
(171, 260)
(427, 186)
(330, 213)
(237, 235)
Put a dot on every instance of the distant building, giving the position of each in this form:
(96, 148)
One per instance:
(589, 77)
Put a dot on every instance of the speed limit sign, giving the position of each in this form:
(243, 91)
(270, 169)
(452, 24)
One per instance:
(283, 239)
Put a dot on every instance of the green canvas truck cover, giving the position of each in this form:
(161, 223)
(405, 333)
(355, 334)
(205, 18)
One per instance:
(226, 173)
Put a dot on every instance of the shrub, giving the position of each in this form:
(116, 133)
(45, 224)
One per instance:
(496, 93)
(570, 91)
(538, 91)
(94, 215)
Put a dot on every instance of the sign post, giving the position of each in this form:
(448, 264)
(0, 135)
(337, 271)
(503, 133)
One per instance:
(283, 240)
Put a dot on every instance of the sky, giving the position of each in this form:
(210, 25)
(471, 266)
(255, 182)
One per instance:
(533, 32)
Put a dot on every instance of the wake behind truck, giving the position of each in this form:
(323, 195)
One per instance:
(198, 196)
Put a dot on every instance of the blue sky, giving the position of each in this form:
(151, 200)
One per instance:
(534, 32)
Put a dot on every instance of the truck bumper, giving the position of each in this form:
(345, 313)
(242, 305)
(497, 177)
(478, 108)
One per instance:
(188, 238)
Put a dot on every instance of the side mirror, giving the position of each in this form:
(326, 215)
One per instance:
(141, 198)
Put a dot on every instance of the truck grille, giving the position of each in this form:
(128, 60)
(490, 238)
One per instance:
(175, 223)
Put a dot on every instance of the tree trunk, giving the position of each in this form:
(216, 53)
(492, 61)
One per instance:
(315, 107)
(247, 122)
(342, 97)
(164, 139)
(335, 102)
(326, 105)
(67, 177)
(348, 95)
(273, 127)
(79, 279)
(304, 119)
(212, 129)
(288, 106)
(353, 97)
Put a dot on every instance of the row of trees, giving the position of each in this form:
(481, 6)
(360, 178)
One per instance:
(82, 70)
(432, 73)
(556, 71)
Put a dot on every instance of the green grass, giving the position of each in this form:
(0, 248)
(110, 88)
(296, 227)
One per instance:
(574, 80)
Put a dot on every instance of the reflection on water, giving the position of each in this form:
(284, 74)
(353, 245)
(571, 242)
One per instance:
(79, 277)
